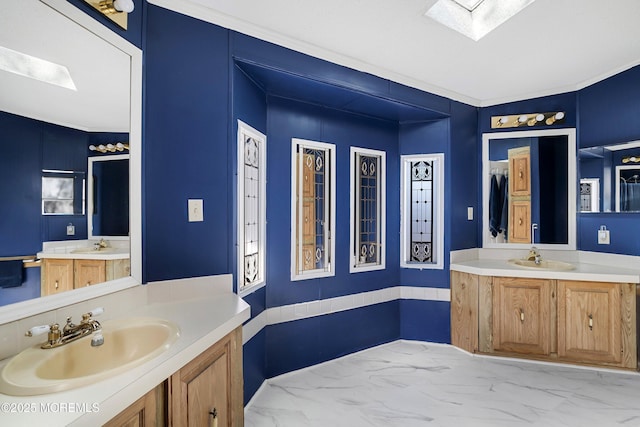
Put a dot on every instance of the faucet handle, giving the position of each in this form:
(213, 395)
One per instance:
(37, 330)
(96, 311)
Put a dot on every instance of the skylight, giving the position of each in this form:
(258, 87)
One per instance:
(35, 68)
(475, 18)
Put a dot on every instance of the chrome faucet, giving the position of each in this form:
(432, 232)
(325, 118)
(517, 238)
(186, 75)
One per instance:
(534, 255)
(70, 332)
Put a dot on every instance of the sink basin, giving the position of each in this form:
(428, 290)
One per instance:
(91, 250)
(545, 264)
(127, 343)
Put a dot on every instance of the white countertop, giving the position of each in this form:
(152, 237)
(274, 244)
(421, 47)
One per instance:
(112, 253)
(205, 313)
(583, 271)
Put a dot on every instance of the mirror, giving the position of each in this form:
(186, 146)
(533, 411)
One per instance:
(56, 31)
(108, 197)
(610, 178)
(538, 203)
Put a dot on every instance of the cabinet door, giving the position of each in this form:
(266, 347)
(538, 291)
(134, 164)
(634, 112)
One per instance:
(88, 272)
(591, 316)
(148, 411)
(57, 276)
(522, 315)
(208, 391)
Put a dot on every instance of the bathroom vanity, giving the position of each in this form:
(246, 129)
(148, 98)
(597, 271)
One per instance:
(196, 379)
(66, 268)
(583, 316)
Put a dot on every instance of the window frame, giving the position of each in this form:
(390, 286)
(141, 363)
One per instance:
(438, 211)
(381, 207)
(329, 209)
(244, 130)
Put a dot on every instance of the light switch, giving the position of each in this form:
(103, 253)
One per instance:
(71, 230)
(603, 236)
(470, 213)
(195, 210)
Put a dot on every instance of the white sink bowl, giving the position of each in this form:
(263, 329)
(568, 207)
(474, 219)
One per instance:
(127, 343)
(545, 264)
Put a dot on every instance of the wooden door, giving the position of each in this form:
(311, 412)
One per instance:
(57, 276)
(519, 221)
(88, 272)
(589, 321)
(519, 172)
(522, 311)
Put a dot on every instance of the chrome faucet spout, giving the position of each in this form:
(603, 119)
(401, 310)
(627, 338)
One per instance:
(534, 255)
(534, 227)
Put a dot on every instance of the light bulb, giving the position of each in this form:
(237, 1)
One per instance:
(559, 115)
(111, 147)
(102, 148)
(92, 147)
(540, 117)
(119, 146)
(125, 6)
(523, 118)
(504, 120)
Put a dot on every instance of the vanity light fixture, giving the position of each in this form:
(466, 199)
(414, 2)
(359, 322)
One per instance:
(631, 159)
(109, 148)
(116, 10)
(530, 119)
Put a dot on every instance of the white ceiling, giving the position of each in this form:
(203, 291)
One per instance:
(100, 71)
(552, 46)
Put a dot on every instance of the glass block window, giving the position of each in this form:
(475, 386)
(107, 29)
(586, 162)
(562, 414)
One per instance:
(422, 220)
(368, 178)
(251, 207)
(312, 209)
(63, 192)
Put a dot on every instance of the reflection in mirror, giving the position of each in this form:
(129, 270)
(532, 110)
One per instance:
(108, 197)
(529, 184)
(610, 177)
(47, 129)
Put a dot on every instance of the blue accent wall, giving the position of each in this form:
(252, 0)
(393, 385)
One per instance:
(186, 143)
(425, 320)
(295, 345)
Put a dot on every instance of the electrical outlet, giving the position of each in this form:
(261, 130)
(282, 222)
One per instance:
(195, 210)
(603, 237)
(71, 230)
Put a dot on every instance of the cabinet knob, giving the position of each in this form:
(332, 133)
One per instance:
(56, 284)
(214, 418)
(591, 322)
(521, 315)
(519, 221)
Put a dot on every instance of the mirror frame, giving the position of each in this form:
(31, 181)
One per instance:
(17, 311)
(572, 176)
(90, 185)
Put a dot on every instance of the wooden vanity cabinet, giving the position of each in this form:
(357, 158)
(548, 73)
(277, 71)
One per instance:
(581, 322)
(522, 315)
(211, 384)
(87, 272)
(60, 275)
(148, 411)
(208, 390)
(56, 276)
(596, 323)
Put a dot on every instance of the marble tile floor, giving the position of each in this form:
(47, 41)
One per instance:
(409, 384)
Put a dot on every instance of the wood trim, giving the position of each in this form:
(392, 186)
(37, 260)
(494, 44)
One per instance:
(464, 311)
(485, 314)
